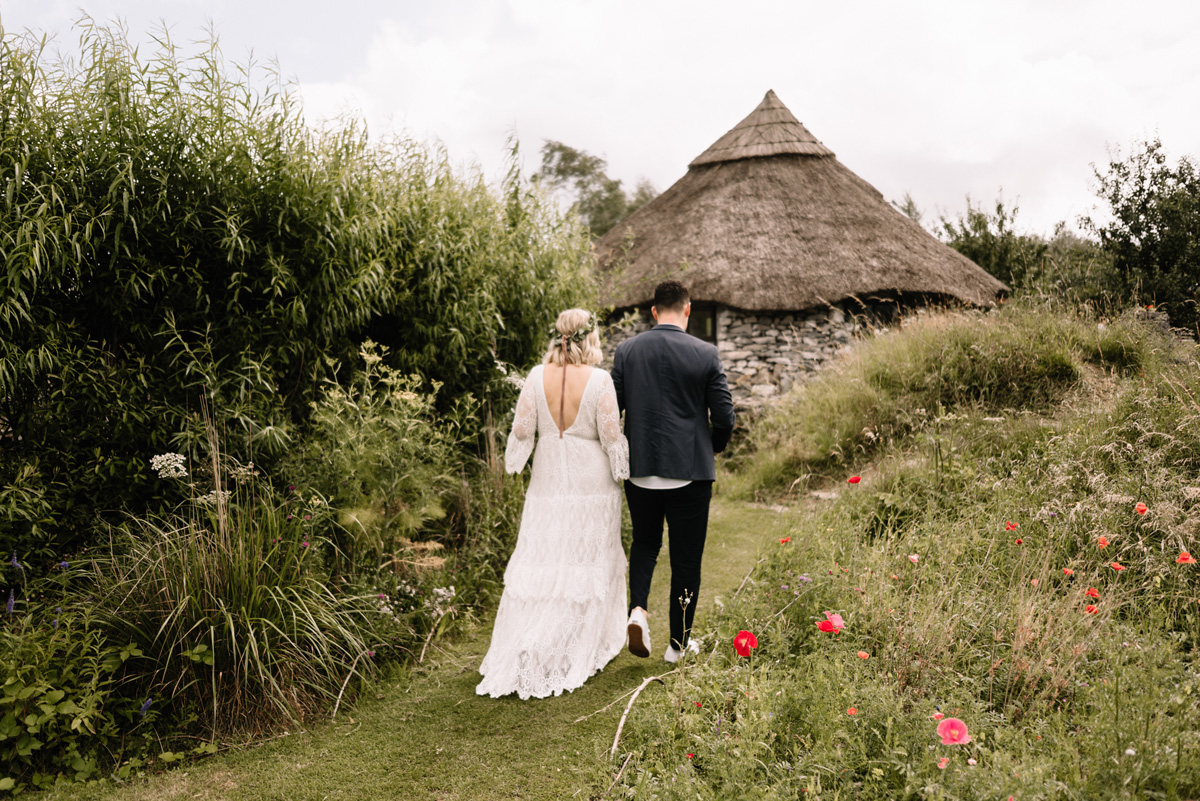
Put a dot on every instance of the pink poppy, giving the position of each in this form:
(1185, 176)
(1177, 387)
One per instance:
(953, 732)
(912, 557)
(835, 619)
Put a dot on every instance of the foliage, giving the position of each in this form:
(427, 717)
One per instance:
(598, 200)
(960, 564)
(1153, 234)
(229, 606)
(381, 455)
(890, 387)
(173, 233)
(1066, 267)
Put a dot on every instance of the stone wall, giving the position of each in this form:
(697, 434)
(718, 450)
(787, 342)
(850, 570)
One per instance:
(764, 353)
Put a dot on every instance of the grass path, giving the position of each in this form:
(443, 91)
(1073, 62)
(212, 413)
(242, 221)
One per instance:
(428, 736)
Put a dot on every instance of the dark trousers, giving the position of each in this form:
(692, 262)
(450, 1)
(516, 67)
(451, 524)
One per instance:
(685, 511)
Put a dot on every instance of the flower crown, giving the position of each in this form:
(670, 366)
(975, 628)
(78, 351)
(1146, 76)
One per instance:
(578, 336)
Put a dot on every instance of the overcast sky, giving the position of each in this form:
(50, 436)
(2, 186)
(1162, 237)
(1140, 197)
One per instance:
(940, 99)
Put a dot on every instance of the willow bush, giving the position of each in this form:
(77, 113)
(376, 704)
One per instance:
(172, 232)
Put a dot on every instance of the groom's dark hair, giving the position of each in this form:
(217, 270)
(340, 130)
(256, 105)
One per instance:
(670, 296)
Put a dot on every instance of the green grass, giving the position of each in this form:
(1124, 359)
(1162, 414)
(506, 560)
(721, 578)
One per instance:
(426, 735)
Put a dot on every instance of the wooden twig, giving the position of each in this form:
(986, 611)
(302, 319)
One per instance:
(353, 665)
(618, 700)
(432, 630)
(617, 778)
(645, 683)
(747, 578)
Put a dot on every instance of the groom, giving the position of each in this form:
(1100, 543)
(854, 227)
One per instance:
(670, 386)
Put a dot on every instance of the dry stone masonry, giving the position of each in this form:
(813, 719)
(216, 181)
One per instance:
(764, 353)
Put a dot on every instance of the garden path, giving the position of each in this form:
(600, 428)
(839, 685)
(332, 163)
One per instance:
(428, 736)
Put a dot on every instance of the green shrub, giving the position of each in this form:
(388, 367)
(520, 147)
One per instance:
(175, 234)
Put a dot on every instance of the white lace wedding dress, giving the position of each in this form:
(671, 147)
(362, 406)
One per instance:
(562, 614)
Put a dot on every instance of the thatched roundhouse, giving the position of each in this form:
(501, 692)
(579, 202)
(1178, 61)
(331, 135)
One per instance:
(784, 250)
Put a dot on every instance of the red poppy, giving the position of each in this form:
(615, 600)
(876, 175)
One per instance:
(744, 642)
(827, 626)
(1092, 592)
(938, 715)
(1116, 565)
(1011, 526)
(1141, 509)
(698, 705)
(1090, 609)
(1020, 541)
(854, 479)
(863, 655)
(1068, 571)
(1102, 542)
(784, 540)
(1186, 558)
(690, 756)
(851, 711)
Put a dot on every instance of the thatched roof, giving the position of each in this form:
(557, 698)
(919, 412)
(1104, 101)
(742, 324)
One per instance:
(768, 219)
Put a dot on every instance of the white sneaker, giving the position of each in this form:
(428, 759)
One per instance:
(673, 655)
(639, 634)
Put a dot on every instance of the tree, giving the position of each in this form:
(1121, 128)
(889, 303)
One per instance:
(990, 241)
(598, 200)
(1153, 235)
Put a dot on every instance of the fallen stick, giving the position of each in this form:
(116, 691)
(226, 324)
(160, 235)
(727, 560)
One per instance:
(618, 776)
(645, 683)
(618, 700)
(747, 578)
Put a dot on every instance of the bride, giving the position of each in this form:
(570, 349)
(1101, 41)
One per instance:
(562, 614)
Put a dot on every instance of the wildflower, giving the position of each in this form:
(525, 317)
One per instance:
(1011, 526)
(304, 544)
(370, 654)
(1020, 541)
(953, 732)
(783, 586)
(1116, 566)
(690, 756)
(1130, 752)
(15, 563)
(804, 580)
(835, 619)
(1141, 508)
(744, 642)
(943, 762)
(291, 487)
(826, 626)
(1034, 582)
(912, 557)
(1068, 571)
(308, 517)
(851, 711)
(937, 715)
(1091, 609)
(972, 762)
(145, 707)
(699, 705)
(863, 655)
(1186, 558)
(1102, 542)
(1092, 592)
(64, 565)
(895, 577)
(784, 540)
(854, 479)
(169, 465)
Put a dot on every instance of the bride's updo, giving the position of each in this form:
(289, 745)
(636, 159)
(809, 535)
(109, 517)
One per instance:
(583, 339)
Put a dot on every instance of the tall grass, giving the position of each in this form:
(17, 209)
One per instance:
(229, 604)
(961, 564)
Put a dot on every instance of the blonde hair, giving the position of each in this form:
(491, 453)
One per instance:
(580, 349)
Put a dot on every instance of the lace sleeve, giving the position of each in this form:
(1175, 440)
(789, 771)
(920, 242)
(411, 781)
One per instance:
(608, 425)
(521, 438)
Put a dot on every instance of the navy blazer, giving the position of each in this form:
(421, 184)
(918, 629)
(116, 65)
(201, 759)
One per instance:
(671, 386)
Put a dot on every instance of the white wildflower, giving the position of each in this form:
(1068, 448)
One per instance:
(169, 465)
